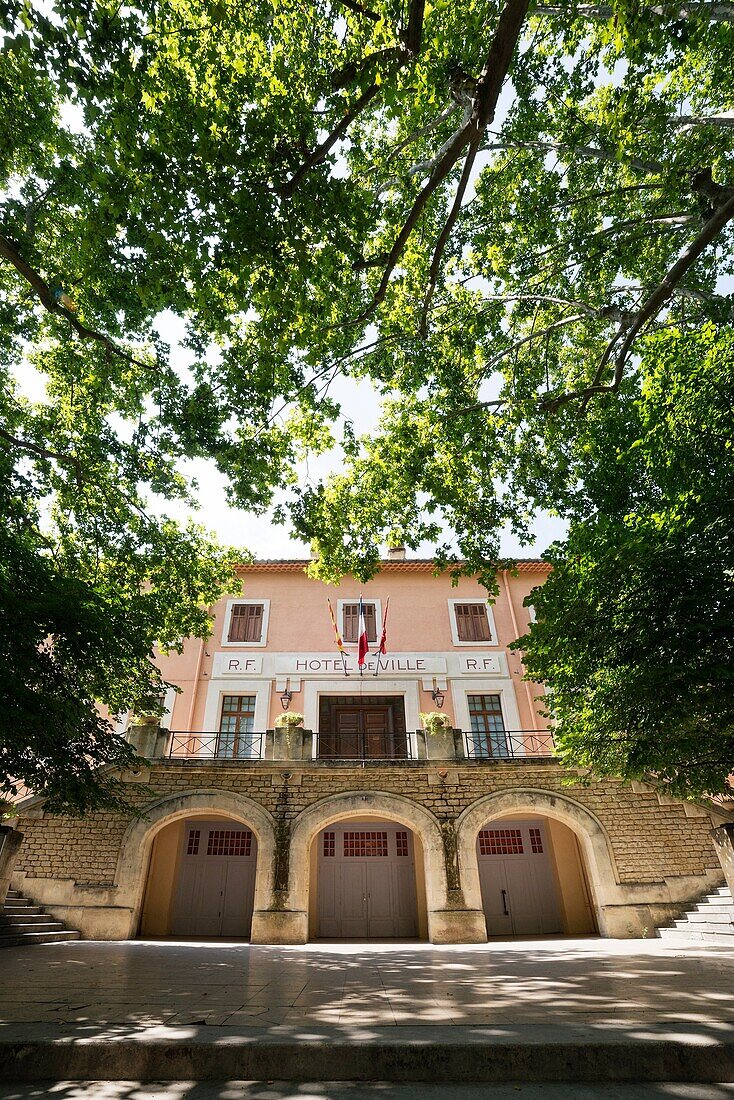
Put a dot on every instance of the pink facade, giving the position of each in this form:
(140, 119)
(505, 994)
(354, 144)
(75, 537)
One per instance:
(296, 650)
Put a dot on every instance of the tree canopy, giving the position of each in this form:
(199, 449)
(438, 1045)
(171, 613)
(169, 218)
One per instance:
(501, 213)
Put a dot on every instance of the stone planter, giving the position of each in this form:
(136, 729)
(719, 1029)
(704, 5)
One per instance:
(291, 743)
(147, 738)
(441, 745)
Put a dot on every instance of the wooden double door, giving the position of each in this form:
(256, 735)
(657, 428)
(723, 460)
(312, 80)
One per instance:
(366, 884)
(371, 728)
(516, 876)
(216, 881)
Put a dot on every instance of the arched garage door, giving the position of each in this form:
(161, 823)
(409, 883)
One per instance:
(366, 881)
(216, 882)
(516, 875)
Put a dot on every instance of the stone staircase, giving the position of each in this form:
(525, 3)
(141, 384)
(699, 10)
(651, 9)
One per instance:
(712, 921)
(23, 923)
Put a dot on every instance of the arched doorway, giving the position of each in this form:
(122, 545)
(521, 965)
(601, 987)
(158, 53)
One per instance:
(532, 878)
(201, 879)
(369, 881)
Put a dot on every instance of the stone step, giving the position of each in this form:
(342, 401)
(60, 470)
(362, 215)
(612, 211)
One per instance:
(14, 928)
(28, 939)
(683, 936)
(22, 924)
(716, 903)
(428, 1053)
(726, 929)
(711, 914)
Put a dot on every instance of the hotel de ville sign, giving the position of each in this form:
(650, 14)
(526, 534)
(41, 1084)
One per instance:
(331, 664)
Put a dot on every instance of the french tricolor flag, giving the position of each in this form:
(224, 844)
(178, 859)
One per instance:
(362, 643)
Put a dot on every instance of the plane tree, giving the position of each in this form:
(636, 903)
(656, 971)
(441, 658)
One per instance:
(494, 211)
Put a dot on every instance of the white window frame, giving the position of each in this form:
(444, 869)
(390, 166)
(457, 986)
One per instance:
(219, 688)
(265, 604)
(455, 626)
(462, 689)
(355, 599)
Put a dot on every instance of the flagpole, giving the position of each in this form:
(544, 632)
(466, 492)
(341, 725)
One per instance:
(383, 637)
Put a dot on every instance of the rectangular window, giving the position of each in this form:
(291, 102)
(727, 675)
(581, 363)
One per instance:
(401, 842)
(192, 847)
(236, 723)
(500, 842)
(472, 622)
(350, 612)
(329, 844)
(536, 841)
(365, 844)
(246, 623)
(487, 725)
(229, 842)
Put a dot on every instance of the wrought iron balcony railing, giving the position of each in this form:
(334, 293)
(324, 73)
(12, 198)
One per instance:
(364, 746)
(217, 745)
(496, 745)
(509, 744)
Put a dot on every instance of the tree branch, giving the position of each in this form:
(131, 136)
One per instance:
(650, 308)
(44, 452)
(413, 34)
(9, 252)
(589, 152)
(360, 9)
(517, 344)
(724, 121)
(489, 86)
(713, 13)
(321, 151)
(446, 233)
(345, 76)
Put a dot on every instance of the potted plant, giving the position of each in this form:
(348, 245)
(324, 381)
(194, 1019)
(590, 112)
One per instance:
(439, 735)
(288, 718)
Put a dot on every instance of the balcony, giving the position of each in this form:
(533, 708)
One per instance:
(293, 744)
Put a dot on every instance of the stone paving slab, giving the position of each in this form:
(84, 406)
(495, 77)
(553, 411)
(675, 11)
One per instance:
(349, 1090)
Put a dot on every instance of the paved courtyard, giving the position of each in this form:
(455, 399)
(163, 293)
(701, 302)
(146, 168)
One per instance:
(138, 984)
(101, 1007)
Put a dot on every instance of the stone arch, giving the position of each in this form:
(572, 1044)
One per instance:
(134, 857)
(393, 807)
(596, 848)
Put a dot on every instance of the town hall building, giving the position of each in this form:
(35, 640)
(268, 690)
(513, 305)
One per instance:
(356, 821)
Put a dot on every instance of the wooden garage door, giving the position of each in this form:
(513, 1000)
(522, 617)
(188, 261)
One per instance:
(216, 882)
(366, 885)
(517, 880)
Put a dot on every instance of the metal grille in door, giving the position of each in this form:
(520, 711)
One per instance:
(500, 842)
(365, 844)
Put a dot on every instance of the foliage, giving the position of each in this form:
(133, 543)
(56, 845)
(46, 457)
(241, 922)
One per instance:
(435, 721)
(289, 718)
(491, 210)
(633, 634)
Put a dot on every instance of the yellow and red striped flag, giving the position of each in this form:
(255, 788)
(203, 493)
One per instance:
(337, 635)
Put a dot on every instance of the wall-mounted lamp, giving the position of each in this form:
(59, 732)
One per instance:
(437, 695)
(286, 697)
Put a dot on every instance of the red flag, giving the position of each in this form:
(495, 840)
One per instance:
(382, 648)
(363, 646)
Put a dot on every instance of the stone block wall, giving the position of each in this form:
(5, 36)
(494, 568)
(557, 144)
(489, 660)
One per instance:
(647, 856)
